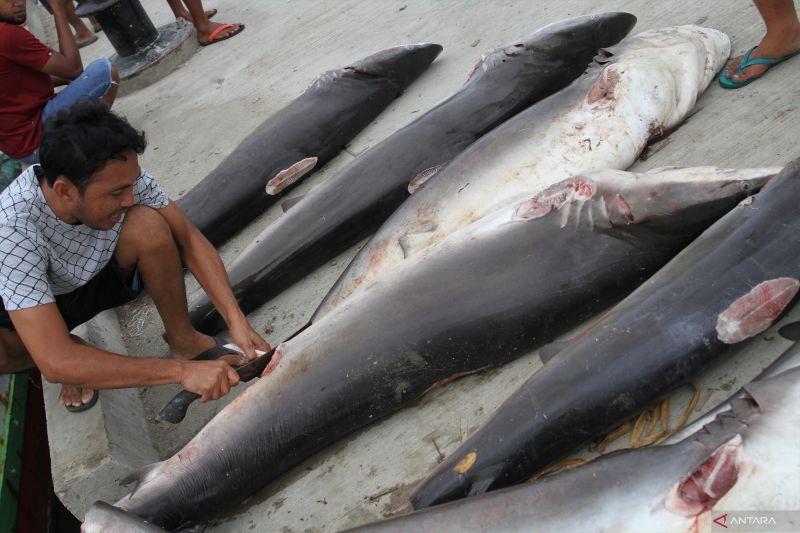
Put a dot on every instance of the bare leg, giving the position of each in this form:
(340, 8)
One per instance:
(180, 11)
(82, 32)
(204, 26)
(146, 243)
(782, 37)
(111, 94)
(14, 357)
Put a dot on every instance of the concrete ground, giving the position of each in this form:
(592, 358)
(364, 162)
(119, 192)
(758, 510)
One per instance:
(195, 116)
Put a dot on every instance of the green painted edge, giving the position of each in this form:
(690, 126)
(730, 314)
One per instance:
(11, 451)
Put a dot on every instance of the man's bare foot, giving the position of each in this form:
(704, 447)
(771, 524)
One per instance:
(769, 48)
(75, 397)
(195, 345)
(83, 35)
(85, 41)
(184, 14)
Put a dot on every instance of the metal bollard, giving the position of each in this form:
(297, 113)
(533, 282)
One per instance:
(125, 22)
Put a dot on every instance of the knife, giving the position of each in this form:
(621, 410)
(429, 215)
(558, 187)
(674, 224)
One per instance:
(175, 410)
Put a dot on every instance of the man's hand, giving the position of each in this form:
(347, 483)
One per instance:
(210, 379)
(243, 335)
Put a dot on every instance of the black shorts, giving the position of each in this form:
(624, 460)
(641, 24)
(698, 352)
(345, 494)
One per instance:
(106, 290)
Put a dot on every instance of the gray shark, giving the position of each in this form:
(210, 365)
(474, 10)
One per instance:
(477, 299)
(301, 137)
(729, 285)
(353, 203)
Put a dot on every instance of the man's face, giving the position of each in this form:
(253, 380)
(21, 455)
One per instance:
(109, 193)
(13, 11)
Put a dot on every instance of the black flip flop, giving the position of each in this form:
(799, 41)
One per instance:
(84, 406)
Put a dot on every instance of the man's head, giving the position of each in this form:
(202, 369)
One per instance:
(89, 158)
(13, 11)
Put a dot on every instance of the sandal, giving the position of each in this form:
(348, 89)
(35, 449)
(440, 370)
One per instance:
(729, 83)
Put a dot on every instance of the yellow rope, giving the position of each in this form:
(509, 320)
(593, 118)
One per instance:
(564, 464)
(689, 409)
(663, 417)
(611, 437)
(643, 432)
(636, 434)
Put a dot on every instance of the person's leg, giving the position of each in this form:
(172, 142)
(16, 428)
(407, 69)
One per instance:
(83, 35)
(99, 80)
(180, 11)
(111, 93)
(95, 25)
(146, 243)
(14, 357)
(205, 28)
(782, 37)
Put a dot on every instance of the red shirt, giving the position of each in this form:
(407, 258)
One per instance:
(24, 90)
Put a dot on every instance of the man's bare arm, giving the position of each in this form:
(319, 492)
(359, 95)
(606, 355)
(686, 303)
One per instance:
(62, 360)
(204, 263)
(66, 63)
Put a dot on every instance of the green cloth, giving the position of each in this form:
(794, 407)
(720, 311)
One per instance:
(9, 170)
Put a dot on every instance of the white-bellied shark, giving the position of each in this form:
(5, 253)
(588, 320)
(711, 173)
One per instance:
(353, 203)
(743, 461)
(648, 83)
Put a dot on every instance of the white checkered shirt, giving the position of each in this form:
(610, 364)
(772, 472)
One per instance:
(42, 256)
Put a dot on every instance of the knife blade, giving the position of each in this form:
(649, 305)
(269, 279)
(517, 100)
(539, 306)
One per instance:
(175, 410)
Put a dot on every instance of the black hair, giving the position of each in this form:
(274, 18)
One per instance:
(78, 142)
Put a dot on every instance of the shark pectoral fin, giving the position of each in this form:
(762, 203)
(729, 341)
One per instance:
(291, 202)
(143, 475)
(548, 351)
(791, 331)
(412, 243)
(603, 56)
(773, 394)
(480, 486)
(420, 179)
(288, 176)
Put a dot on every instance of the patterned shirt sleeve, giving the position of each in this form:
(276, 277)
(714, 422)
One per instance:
(23, 272)
(146, 191)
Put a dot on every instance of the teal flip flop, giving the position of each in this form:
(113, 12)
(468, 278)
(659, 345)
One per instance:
(728, 82)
